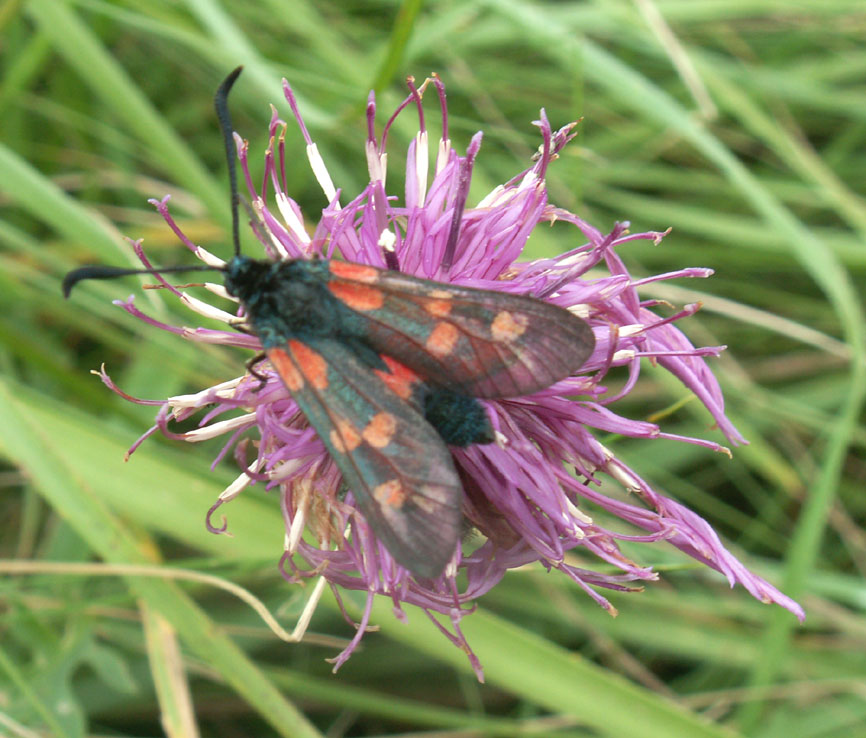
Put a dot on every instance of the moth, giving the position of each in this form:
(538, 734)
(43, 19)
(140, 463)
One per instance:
(388, 369)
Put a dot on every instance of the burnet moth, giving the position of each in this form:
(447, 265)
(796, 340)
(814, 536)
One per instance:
(387, 369)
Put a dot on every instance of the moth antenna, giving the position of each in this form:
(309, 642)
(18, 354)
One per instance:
(110, 272)
(100, 271)
(221, 103)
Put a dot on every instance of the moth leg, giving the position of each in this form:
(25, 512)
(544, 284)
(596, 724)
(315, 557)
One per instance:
(250, 365)
(241, 326)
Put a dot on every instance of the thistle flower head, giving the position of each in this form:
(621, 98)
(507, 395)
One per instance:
(527, 496)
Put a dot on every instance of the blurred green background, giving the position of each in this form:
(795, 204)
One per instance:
(740, 124)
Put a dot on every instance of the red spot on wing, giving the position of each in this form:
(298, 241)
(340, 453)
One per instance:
(313, 365)
(357, 296)
(399, 379)
(391, 494)
(356, 272)
(438, 308)
(442, 339)
(285, 367)
(344, 436)
(380, 430)
(508, 326)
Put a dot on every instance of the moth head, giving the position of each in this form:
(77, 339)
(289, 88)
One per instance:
(244, 276)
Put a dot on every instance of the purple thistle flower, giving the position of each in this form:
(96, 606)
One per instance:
(523, 493)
